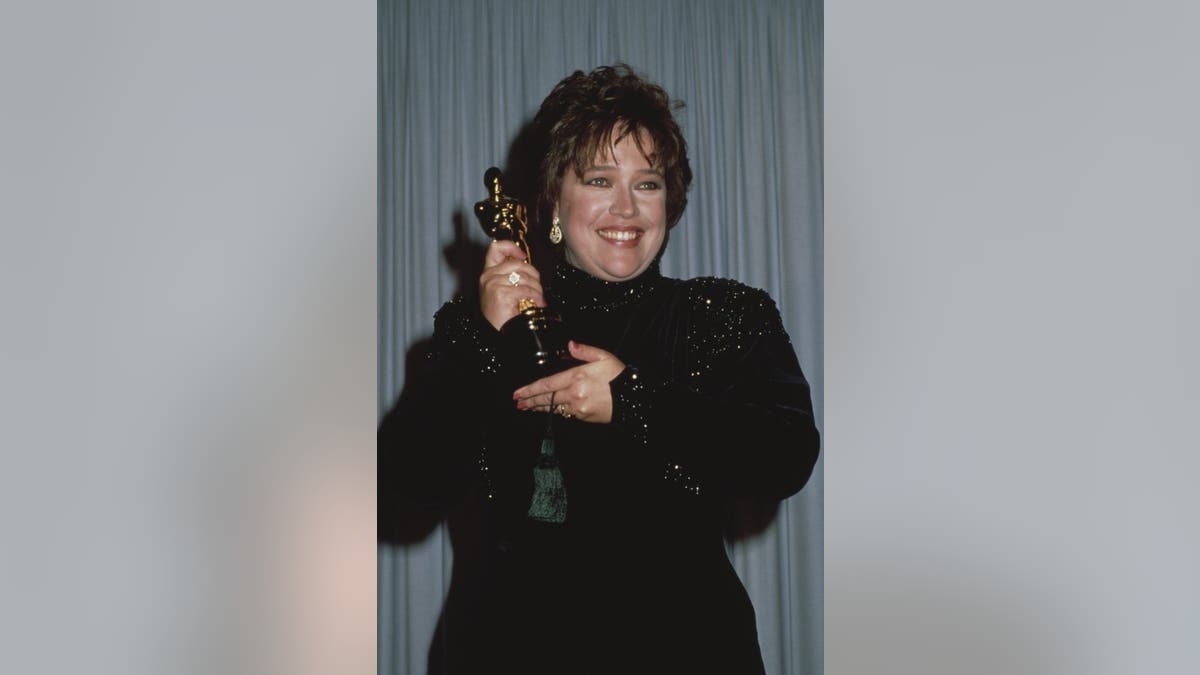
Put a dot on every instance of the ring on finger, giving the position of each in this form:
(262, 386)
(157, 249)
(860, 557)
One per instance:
(514, 278)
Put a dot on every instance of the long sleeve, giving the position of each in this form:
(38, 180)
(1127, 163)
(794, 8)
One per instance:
(430, 444)
(737, 419)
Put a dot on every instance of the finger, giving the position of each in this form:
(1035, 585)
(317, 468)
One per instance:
(546, 385)
(539, 402)
(512, 297)
(502, 287)
(587, 353)
(501, 250)
(561, 409)
(505, 273)
(539, 388)
(524, 270)
(514, 264)
(499, 291)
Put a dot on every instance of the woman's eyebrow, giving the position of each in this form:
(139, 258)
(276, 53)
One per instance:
(609, 167)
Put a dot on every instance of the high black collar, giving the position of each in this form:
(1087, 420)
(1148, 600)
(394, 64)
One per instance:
(573, 289)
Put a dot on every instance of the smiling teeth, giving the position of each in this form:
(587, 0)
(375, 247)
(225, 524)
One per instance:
(619, 236)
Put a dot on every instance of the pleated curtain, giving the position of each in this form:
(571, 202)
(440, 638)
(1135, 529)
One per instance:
(457, 81)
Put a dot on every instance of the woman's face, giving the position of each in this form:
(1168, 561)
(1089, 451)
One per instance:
(614, 217)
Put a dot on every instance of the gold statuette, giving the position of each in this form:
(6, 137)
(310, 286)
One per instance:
(535, 338)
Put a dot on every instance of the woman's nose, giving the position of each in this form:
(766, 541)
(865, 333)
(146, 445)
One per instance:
(623, 204)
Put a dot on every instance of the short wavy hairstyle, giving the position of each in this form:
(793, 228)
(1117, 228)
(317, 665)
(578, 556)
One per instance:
(580, 116)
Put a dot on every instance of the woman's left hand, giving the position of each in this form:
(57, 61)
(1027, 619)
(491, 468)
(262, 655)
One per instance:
(581, 392)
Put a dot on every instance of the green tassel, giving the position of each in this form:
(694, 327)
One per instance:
(549, 503)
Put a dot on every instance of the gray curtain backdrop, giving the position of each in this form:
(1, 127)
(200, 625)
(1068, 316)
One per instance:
(458, 80)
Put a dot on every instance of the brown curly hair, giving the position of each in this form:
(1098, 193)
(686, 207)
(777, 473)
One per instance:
(578, 119)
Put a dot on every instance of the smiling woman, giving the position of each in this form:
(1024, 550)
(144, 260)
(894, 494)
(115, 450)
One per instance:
(603, 488)
(614, 215)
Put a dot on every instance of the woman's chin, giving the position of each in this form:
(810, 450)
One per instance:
(622, 267)
(620, 271)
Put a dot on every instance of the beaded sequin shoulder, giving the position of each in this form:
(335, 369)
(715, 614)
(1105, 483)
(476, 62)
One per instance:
(727, 317)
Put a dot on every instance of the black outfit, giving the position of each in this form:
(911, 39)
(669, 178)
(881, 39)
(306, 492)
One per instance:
(711, 406)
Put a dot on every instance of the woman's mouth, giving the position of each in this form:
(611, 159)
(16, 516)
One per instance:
(620, 235)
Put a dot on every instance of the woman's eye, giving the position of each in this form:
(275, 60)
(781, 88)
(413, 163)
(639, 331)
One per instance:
(598, 181)
(648, 185)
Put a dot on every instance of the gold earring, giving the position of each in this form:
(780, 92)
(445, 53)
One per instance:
(555, 231)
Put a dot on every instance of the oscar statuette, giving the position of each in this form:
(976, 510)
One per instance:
(535, 339)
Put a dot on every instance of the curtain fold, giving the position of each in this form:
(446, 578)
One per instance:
(459, 79)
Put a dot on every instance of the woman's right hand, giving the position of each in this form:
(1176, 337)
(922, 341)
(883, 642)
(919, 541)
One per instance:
(498, 297)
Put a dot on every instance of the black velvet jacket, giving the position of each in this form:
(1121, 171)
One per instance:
(711, 406)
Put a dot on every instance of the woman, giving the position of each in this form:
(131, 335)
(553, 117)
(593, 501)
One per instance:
(601, 546)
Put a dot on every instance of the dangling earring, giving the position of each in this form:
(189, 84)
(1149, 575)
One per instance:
(555, 231)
